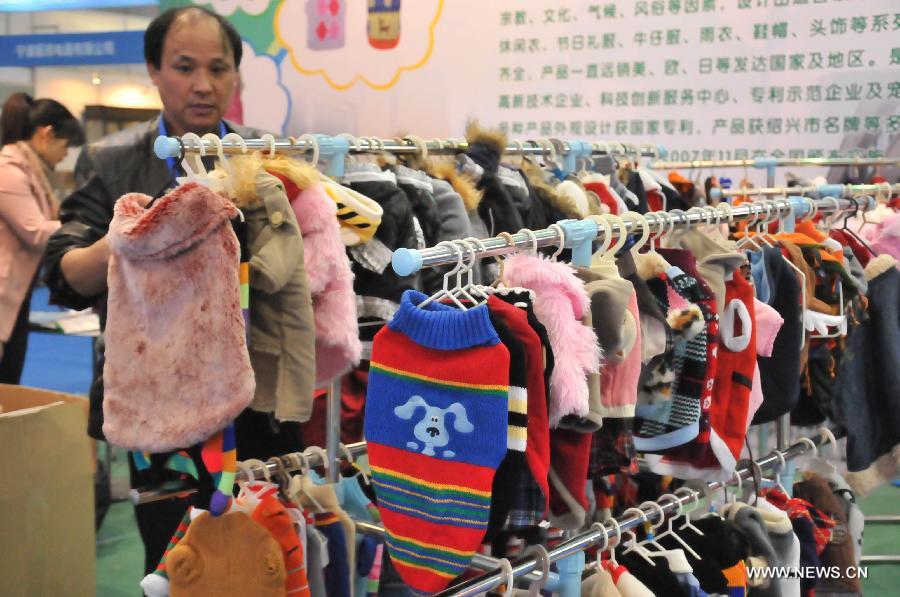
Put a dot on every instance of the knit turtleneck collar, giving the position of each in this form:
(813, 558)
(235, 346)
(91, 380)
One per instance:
(443, 327)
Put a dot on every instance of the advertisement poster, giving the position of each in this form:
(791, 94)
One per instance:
(706, 79)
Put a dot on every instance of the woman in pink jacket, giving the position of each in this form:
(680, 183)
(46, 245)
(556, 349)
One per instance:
(35, 136)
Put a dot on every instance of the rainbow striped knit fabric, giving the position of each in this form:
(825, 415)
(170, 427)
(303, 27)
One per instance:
(436, 426)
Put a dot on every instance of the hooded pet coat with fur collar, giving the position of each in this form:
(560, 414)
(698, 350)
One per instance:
(177, 368)
(561, 302)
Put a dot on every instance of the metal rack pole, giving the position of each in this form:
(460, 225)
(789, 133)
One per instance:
(839, 190)
(178, 146)
(479, 560)
(593, 537)
(436, 256)
(146, 496)
(333, 429)
(776, 162)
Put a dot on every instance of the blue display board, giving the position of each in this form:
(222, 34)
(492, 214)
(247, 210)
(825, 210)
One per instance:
(38, 5)
(72, 49)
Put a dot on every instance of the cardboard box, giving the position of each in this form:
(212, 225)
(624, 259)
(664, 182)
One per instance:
(46, 495)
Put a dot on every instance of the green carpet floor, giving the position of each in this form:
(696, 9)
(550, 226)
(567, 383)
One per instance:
(882, 539)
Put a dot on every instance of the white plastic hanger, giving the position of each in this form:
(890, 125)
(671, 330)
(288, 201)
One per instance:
(812, 446)
(352, 462)
(679, 217)
(719, 215)
(762, 229)
(247, 471)
(660, 229)
(235, 138)
(284, 479)
(353, 140)
(519, 154)
(601, 528)
(539, 552)
(445, 291)
(533, 249)
(561, 233)
(460, 289)
(827, 434)
(819, 464)
(322, 454)
(271, 140)
(840, 320)
(829, 219)
(314, 143)
(247, 467)
(189, 169)
(695, 498)
(622, 235)
(645, 230)
(470, 284)
(295, 487)
(247, 500)
(748, 238)
(225, 183)
(652, 537)
(670, 531)
(506, 575)
(636, 547)
(607, 237)
(549, 154)
(612, 550)
(709, 496)
(669, 218)
(420, 145)
(777, 474)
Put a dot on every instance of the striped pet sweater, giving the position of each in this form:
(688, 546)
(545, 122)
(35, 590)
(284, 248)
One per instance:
(436, 425)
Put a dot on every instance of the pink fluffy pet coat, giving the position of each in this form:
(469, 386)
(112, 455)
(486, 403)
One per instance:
(330, 284)
(177, 368)
(560, 303)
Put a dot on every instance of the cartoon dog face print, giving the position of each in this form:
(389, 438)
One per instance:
(431, 429)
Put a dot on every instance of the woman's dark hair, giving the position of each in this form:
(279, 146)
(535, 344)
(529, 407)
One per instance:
(23, 115)
(158, 29)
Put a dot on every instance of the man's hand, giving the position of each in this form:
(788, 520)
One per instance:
(85, 268)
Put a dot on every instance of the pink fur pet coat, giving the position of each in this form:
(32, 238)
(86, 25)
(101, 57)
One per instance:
(561, 302)
(177, 368)
(338, 348)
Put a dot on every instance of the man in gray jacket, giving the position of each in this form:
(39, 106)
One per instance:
(192, 57)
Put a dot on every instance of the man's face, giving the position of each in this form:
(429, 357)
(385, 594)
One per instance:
(197, 75)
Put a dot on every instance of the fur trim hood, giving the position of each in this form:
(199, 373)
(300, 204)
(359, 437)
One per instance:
(461, 183)
(561, 302)
(560, 203)
(879, 265)
(650, 265)
(494, 139)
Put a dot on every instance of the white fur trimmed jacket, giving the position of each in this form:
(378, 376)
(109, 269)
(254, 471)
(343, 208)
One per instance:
(561, 303)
